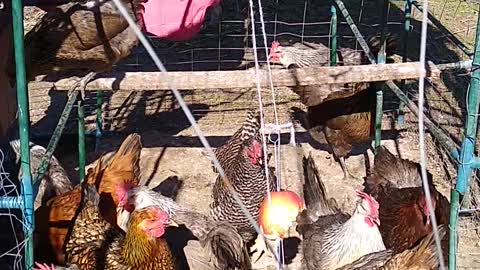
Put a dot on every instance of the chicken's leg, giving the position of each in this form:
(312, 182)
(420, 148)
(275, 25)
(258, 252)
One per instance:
(346, 172)
(260, 247)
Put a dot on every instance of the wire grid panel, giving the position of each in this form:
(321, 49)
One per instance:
(12, 248)
(445, 101)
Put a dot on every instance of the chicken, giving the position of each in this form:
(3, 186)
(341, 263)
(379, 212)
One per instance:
(82, 36)
(96, 244)
(241, 157)
(223, 247)
(332, 239)
(55, 181)
(340, 117)
(45, 266)
(55, 217)
(421, 257)
(397, 185)
(343, 121)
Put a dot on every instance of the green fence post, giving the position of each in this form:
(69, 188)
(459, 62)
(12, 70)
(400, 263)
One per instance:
(333, 31)
(467, 151)
(407, 29)
(81, 138)
(24, 125)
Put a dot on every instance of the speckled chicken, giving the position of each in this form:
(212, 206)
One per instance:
(332, 239)
(421, 257)
(81, 36)
(241, 157)
(95, 244)
(397, 185)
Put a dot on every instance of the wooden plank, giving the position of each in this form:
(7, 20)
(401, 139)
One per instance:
(141, 81)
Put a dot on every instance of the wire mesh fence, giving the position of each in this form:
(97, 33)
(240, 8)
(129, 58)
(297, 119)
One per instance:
(11, 220)
(227, 45)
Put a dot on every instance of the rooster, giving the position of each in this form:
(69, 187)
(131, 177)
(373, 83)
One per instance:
(397, 185)
(223, 246)
(82, 36)
(421, 257)
(332, 239)
(241, 157)
(54, 218)
(96, 244)
(342, 118)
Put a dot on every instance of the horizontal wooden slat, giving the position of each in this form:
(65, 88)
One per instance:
(141, 81)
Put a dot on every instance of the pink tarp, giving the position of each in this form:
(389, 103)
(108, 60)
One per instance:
(174, 20)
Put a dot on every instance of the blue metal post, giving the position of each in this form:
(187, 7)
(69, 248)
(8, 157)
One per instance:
(467, 151)
(24, 124)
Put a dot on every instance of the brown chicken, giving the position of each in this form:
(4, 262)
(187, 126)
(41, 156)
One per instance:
(338, 115)
(342, 121)
(82, 36)
(96, 244)
(421, 257)
(397, 185)
(55, 217)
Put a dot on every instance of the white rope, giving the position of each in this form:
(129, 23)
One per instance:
(421, 131)
(259, 96)
(187, 113)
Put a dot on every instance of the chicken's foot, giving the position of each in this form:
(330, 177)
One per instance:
(260, 247)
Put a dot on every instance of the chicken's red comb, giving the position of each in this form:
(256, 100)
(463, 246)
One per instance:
(274, 46)
(369, 198)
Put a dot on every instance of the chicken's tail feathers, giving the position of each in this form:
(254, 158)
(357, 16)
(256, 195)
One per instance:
(426, 251)
(314, 189)
(384, 162)
(130, 149)
(374, 42)
(226, 248)
(169, 187)
(251, 126)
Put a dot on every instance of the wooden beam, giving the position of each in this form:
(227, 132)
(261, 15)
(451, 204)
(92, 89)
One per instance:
(140, 81)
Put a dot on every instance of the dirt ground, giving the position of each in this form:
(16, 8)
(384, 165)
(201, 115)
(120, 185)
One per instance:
(172, 148)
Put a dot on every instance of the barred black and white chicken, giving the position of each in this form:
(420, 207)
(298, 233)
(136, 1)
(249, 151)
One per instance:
(241, 157)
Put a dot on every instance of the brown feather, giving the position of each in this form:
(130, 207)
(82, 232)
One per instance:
(55, 217)
(396, 184)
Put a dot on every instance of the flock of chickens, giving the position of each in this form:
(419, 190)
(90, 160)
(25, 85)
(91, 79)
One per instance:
(110, 221)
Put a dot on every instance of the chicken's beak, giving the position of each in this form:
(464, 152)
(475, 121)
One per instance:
(171, 223)
(376, 220)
